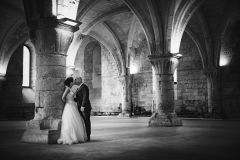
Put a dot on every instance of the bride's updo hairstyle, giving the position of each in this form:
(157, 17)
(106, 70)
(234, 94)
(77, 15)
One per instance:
(68, 81)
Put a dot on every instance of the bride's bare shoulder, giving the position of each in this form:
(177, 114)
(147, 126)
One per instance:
(74, 88)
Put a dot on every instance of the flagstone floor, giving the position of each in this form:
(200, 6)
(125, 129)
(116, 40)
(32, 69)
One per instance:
(117, 138)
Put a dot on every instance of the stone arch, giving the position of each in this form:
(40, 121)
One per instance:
(97, 66)
(148, 30)
(199, 45)
(206, 42)
(134, 26)
(136, 38)
(111, 49)
(230, 49)
(130, 6)
(91, 52)
(202, 39)
(23, 96)
(87, 7)
(229, 40)
(182, 13)
(119, 49)
(104, 17)
(16, 36)
(80, 54)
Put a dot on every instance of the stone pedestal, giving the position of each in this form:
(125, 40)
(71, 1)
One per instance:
(164, 67)
(51, 39)
(42, 131)
(164, 120)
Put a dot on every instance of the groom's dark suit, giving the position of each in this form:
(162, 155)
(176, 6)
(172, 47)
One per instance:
(82, 99)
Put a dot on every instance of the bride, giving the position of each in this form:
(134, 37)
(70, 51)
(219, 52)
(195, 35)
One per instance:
(73, 128)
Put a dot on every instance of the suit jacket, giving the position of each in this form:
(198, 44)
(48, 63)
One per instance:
(82, 98)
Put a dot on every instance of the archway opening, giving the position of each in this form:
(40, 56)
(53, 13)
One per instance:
(19, 96)
(26, 67)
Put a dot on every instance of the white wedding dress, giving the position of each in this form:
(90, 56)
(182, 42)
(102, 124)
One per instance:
(73, 127)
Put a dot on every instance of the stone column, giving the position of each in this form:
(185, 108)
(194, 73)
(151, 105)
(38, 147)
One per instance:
(214, 91)
(51, 39)
(2, 80)
(2, 106)
(126, 99)
(164, 66)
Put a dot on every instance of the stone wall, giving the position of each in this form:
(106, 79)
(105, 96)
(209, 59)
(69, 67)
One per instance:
(142, 94)
(2, 107)
(111, 85)
(142, 91)
(18, 102)
(231, 75)
(101, 76)
(191, 82)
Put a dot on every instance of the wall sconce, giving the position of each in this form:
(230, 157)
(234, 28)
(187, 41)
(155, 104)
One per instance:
(178, 55)
(66, 22)
(70, 22)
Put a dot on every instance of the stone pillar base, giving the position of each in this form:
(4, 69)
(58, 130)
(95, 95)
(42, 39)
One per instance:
(42, 131)
(164, 120)
(124, 115)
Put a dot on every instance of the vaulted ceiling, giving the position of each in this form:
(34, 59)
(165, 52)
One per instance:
(112, 22)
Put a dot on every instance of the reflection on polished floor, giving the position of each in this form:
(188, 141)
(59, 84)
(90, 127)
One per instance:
(118, 138)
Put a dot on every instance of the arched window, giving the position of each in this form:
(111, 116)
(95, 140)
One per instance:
(26, 67)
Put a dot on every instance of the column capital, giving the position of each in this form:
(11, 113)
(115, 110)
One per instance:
(163, 64)
(50, 36)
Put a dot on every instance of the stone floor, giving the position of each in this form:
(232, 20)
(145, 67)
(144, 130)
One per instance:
(117, 138)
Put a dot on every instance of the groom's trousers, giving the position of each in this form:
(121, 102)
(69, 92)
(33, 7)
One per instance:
(87, 123)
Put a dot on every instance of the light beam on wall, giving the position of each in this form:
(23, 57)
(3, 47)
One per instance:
(133, 69)
(73, 50)
(175, 43)
(225, 55)
(224, 60)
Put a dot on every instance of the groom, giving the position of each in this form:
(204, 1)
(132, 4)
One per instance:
(83, 103)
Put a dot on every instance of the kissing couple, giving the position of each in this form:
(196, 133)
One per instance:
(76, 125)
